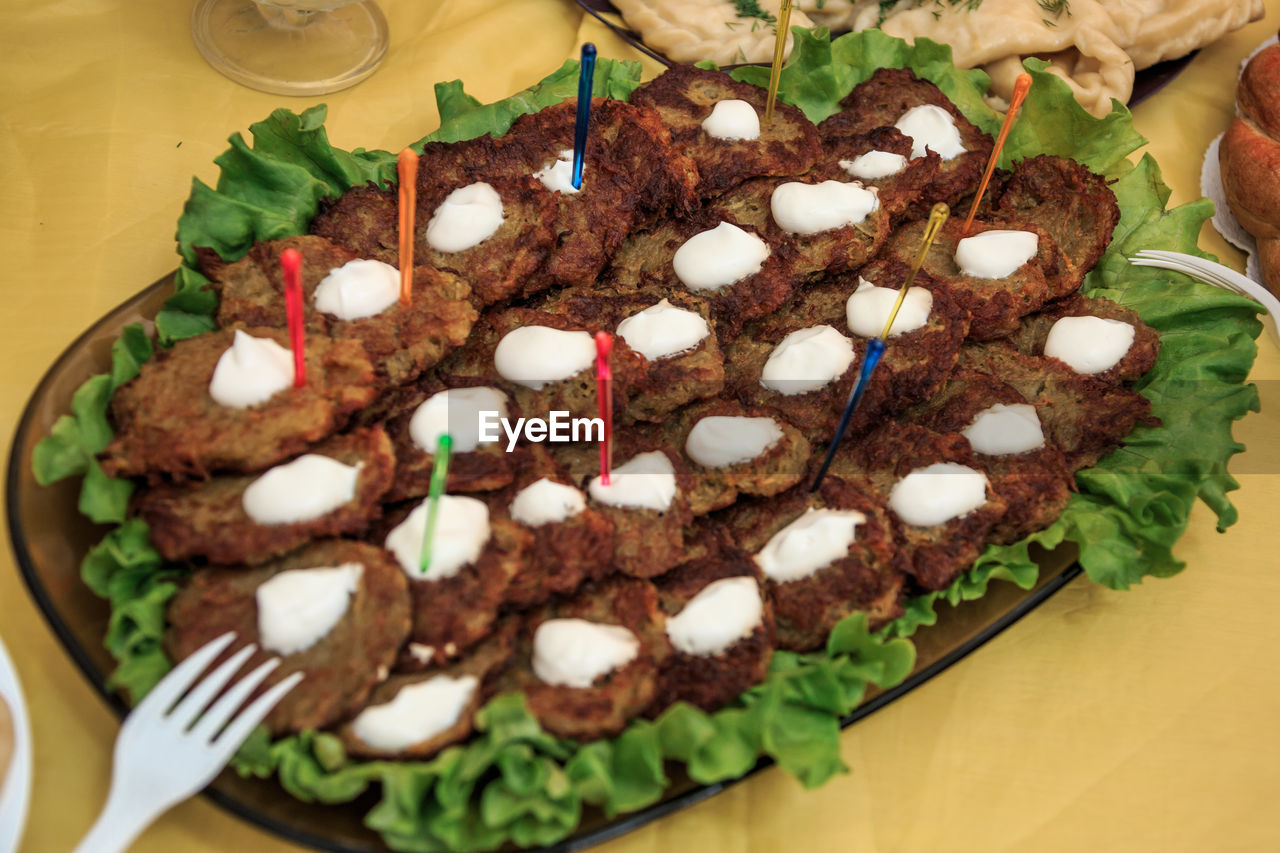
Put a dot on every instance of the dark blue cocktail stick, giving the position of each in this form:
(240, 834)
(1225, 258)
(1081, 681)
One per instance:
(586, 71)
(875, 347)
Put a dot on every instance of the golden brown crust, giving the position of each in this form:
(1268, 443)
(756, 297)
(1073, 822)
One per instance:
(340, 669)
(604, 708)
(1141, 357)
(167, 424)
(684, 96)
(208, 519)
(868, 579)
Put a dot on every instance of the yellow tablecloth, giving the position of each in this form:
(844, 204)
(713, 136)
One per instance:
(1144, 720)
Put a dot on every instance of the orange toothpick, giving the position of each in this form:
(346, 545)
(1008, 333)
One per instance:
(1020, 89)
(407, 166)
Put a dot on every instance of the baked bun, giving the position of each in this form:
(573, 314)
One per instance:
(1250, 160)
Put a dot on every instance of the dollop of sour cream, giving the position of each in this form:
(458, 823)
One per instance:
(813, 541)
(722, 613)
(732, 119)
(250, 371)
(418, 713)
(874, 165)
(462, 531)
(302, 490)
(546, 502)
(719, 257)
(557, 175)
(534, 356)
(1003, 430)
(1089, 344)
(812, 208)
(646, 481)
(937, 493)
(297, 608)
(358, 289)
(806, 360)
(868, 309)
(931, 127)
(575, 652)
(663, 330)
(467, 217)
(455, 411)
(997, 253)
(719, 441)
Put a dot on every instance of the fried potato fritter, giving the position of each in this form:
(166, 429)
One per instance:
(341, 668)
(209, 520)
(167, 424)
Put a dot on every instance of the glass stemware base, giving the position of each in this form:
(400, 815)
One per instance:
(291, 48)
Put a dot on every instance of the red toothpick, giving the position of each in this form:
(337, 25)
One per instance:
(604, 395)
(1020, 89)
(407, 166)
(291, 266)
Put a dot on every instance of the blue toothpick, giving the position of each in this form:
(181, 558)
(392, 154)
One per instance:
(586, 71)
(875, 347)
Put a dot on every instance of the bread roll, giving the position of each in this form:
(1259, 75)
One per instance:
(1250, 159)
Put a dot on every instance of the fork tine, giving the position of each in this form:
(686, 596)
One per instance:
(166, 693)
(186, 711)
(239, 729)
(218, 714)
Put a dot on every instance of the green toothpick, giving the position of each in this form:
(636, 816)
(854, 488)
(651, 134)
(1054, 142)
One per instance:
(439, 475)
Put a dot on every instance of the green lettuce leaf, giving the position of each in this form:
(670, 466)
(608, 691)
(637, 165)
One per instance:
(463, 117)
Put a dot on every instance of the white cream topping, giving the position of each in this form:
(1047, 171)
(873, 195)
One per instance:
(250, 371)
(418, 712)
(557, 175)
(1089, 344)
(874, 165)
(663, 330)
(732, 119)
(719, 257)
(722, 613)
(938, 493)
(646, 481)
(1002, 430)
(813, 541)
(457, 412)
(575, 652)
(997, 253)
(813, 208)
(532, 356)
(869, 306)
(304, 489)
(358, 289)
(806, 360)
(462, 531)
(931, 127)
(720, 441)
(467, 217)
(297, 608)
(546, 502)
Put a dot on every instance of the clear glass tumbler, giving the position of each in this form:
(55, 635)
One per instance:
(291, 47)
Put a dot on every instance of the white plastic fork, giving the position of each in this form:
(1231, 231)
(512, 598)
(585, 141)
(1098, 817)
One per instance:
(170, 747)
(1215, 274)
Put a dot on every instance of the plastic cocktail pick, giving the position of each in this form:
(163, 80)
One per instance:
(439, 476)
(779, 47)
(586, 71)
(875, 346)
(604, 397)
(1020, 89)
(291, 267)
(407, 166)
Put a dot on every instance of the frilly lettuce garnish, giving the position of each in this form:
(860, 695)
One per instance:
(515, 783)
